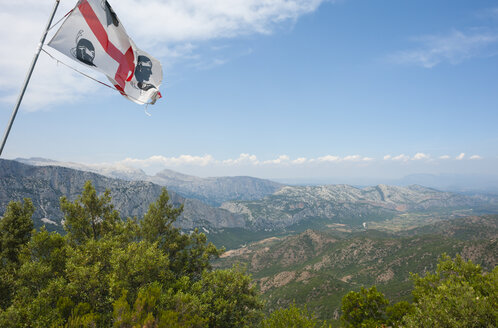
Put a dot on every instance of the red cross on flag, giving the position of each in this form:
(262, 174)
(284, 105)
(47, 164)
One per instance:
(93, 35)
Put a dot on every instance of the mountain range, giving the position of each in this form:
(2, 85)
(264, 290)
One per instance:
(462, 183)
(293, 205)
(212, 191)
(46, 184)
(248, 203)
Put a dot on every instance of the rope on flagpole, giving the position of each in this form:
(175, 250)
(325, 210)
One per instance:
(98, 81)
(74, 69)
(60, 20)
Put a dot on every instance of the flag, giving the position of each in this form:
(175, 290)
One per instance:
(94, 36)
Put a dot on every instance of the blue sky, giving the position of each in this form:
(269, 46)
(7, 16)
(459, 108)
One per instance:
(297, 88)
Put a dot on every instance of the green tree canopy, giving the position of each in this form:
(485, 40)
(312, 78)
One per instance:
(15, 231)
(458, 294)
(370, 308)
(89, 216)
(291, 317)
(366, 308)
(107, 271)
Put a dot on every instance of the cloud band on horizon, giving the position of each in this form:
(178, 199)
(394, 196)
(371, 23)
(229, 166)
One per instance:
(251, 159)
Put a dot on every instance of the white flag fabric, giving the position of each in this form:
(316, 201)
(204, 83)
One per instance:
(93, 35)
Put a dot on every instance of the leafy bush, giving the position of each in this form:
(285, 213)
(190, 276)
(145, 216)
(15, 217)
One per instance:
(458, 294)
(366, 308)
(291, 317)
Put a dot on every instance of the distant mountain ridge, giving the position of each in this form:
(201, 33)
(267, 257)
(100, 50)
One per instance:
(462, 183)
(213, 191)
(46, 184)
(288, 207)
(116, 171)
(346, 204)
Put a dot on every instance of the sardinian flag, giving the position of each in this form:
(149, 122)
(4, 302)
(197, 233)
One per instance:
(93, 35)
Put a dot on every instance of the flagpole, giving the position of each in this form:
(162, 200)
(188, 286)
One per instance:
(28, 77)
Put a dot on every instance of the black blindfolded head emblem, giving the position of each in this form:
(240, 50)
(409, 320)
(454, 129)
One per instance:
(111, 17)
(84, 52)
(143, 71)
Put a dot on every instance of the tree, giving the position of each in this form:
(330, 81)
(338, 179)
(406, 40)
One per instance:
(89, 216)
(189, 254)
(291, 317)
(458, 294)
(15, 231)
(366, 308)
(396, 313)
(107, 271)
(155, 307)
(232, 301)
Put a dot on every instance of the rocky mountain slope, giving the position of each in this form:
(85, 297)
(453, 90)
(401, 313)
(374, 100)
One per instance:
(319, 268)
(212, 191)
(346, 204)
(46, 184)
(215, 191)
(287, 208)
(116, 171)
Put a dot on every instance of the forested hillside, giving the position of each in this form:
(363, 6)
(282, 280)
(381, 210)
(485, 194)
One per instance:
(111, 271)
(318, 268)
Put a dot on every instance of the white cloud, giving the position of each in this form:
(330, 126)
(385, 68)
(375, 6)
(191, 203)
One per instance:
(487, 13)
(424, 156)
(243, 159)
(404, 158)
(328, 158)
(420, 156)
(166, 29)
(454, 47)
(300, 160)
(196, 20)
(401, 157)
(21, 26)
(280, 160)
(170, 161)
(352, 158)
(246, 160)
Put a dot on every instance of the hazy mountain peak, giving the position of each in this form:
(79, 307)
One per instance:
(45, 184)
(119, 171)
(212, 191)
(167, 173)
(347, 204)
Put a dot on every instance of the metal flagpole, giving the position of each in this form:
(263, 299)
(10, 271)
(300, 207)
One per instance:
(28, 77)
